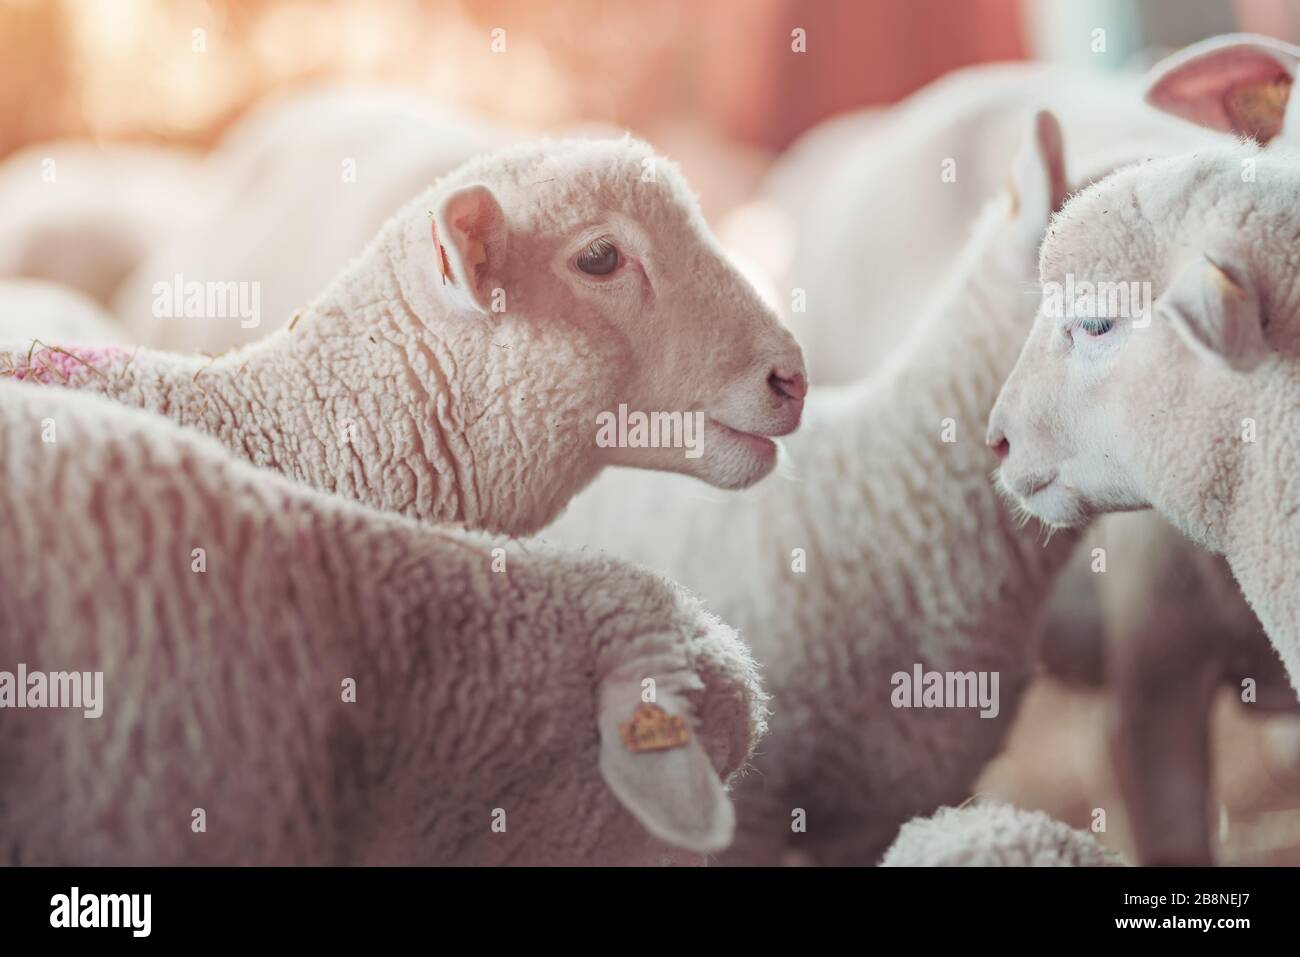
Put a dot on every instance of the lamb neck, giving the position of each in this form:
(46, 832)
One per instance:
(354, 397)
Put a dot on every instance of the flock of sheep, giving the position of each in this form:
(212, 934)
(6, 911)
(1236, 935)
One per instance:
(300, 565)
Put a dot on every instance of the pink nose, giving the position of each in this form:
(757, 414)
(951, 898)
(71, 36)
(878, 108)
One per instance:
(999, 443)
(792, 385)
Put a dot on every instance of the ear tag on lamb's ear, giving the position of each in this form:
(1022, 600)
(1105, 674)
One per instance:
(1260, 107)
(654, 729)
(1230, 286)
(444, 266)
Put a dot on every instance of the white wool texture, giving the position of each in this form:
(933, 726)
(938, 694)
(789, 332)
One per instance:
(995, 835)
(230, 610)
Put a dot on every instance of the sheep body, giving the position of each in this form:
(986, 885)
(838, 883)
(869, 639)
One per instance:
(995, 835)
(228, 609)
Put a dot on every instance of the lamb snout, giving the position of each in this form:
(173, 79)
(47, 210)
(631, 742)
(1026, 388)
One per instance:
(788, 386)
(792, 385)
(766, 401)
(998, 442)
(1022, 434)
(763, 402)
(790, 389)
(783, 388)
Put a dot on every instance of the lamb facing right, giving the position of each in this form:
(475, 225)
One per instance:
(320, 683)
(995, 835)
(889, 550)
(459, 369)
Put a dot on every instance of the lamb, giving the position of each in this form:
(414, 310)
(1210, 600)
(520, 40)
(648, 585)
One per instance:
(995, 835)
(466, 366)
(1079, 419)
(881, 546)
(292, 678)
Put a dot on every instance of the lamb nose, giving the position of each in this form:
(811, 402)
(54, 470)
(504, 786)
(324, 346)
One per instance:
(999, 443)
(791, 385)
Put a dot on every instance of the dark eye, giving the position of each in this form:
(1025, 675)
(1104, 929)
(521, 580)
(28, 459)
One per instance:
(599, 259)
(1096, 327)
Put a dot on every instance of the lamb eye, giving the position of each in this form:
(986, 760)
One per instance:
(599, 259)
(1096, 327)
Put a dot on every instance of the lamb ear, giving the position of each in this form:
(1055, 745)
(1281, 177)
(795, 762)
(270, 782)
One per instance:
(1240, 84)
(669, 785)
(1038, 175)
(469, 236)
(1215, 314)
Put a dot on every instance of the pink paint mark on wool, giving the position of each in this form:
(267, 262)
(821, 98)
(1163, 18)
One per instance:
(59, 364)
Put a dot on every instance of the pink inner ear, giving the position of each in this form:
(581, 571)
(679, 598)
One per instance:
(1206, 89)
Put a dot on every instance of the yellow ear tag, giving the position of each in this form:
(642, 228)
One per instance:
(654, 729)
(1260, 107)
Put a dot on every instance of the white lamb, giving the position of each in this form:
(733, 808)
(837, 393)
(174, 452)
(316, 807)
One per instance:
(883, 546)
(291, 678)
(1086, 420)
(469, 365)
(995, 835)
(1170, 616)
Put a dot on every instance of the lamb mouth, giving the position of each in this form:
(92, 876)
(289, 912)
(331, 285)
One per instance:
(1023, 491)
(1064, 510)
(1033, 485)
(755, 441)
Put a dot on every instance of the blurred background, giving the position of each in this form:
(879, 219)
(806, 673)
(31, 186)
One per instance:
(762, 101)
(700, 74)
